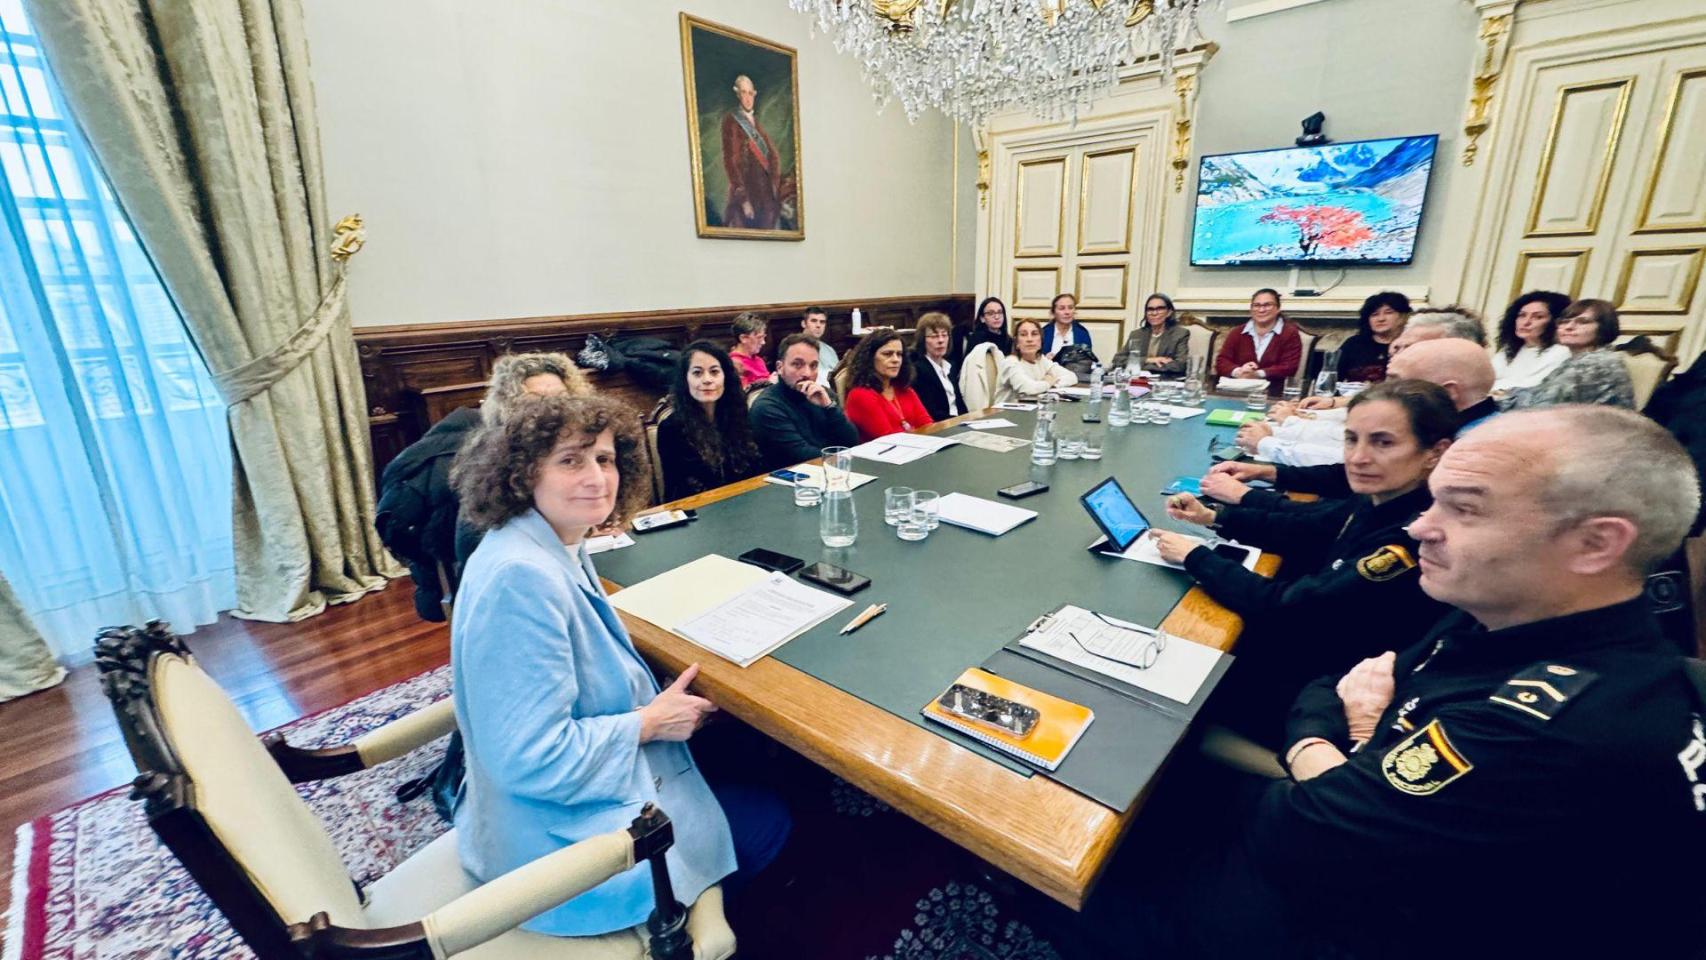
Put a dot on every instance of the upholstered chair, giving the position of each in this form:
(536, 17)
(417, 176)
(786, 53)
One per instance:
(221, 800)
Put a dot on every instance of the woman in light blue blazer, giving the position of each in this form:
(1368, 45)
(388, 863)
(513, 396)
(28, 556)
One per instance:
(568, 734)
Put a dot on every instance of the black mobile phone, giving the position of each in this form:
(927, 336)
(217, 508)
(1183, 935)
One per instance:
(1020, 491)
(1001, 713)
(771, 560)
(835, 578)
(1231, 552)
(663, 518)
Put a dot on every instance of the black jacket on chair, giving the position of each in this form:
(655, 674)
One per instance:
(928, 386)
(416, 515)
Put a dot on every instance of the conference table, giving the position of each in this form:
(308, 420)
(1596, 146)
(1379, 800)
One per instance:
(953, 598)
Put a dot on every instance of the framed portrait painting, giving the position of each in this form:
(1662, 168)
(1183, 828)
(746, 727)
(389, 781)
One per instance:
(743, 131)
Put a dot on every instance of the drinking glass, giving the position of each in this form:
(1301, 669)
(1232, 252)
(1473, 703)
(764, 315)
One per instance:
(926, 504)
(1071, 446)
(808, 492)
(1257, 400)
(897, 504)
(1092, 446)
(912, 527)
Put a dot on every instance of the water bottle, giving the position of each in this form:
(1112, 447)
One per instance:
(1093, 411)
(1042, 438)
(837, 522)
(1119, 411)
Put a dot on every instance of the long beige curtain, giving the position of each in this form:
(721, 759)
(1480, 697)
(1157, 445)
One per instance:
(203, 117)
(26, 665)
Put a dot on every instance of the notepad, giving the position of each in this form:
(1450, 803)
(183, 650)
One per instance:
(735, 610)
(976, 513)
(1233, 418)
(1057, 731)
(898, 448)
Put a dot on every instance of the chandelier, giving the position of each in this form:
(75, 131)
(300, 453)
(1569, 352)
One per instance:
(974, 58)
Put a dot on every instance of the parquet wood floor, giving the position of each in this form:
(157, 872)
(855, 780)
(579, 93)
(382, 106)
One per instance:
(61, 745)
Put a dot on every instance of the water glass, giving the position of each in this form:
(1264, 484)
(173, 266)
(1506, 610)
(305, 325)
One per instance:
(1257, 400)
(1071, 446)
(897, 505)
(1092, 446)
(926, 505)
(807, 493)
(1293, 391)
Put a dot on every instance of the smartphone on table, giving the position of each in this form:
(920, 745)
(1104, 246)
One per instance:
(771, 560)
(646, 523)
(839, 579)
(1020, 491)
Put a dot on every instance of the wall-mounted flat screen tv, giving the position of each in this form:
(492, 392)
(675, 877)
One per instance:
(1342, 203)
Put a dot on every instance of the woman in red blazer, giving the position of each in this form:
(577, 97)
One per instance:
(1281, 352)
(880, 399)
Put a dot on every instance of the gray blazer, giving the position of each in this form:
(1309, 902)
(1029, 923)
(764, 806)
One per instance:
(1175, 342)
(547, 685)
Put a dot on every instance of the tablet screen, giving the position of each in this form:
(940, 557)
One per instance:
(1114, 512)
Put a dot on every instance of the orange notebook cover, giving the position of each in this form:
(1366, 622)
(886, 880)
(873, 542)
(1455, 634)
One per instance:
(1058, 728)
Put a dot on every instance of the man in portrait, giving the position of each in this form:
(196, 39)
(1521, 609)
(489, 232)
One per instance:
(754, 168)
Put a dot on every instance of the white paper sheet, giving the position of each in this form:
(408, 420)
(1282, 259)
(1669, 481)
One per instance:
(1015, 406)
(1177, 674)
(1182, 413)
(901, 447)
(1143, 551)
(993, 423)
(761, 618)
(994, 442)
(984, 516)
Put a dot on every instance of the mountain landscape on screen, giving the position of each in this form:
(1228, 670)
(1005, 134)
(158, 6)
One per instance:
(1355, 202)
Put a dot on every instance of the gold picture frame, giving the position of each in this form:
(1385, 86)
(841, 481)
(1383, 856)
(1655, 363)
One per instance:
(742, 91)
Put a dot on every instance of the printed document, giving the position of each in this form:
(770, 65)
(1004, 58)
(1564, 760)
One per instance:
(994, 442)
(992, 423)
(901, 447)
(814, 477)
(1143, 551)
(761, 618)
(1179, 669)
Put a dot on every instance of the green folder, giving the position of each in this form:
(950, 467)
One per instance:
(1233, 418)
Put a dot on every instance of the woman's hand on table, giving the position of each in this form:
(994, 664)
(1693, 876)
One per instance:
(675, 714)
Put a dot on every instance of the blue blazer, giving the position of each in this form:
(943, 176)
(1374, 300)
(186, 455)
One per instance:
(547, 685)
(1080, 335)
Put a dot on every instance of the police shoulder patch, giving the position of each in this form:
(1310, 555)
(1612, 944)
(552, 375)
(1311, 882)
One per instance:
(1541, 691)
(1424, 762)
(1387, 562)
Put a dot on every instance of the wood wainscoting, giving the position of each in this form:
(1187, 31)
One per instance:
(415, 374)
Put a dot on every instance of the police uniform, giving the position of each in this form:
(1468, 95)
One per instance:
(1538, 790)
(1358, 593)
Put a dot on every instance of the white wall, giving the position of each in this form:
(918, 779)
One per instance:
(1376, 68)
(529, 157)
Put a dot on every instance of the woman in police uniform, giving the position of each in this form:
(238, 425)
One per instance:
(1349, 588)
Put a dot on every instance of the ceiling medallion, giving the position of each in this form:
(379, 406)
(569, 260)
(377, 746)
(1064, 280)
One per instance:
(973, 58)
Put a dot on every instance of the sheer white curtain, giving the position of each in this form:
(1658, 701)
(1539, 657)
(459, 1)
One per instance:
(115, 464)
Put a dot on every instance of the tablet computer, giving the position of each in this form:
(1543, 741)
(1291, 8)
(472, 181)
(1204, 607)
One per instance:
(1114, 512)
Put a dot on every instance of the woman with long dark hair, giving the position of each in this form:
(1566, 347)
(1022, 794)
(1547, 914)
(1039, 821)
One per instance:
(989, 326)
(705, 442)
(1528, 341)
(1592, 372)
(880, 398)
(1362, 358)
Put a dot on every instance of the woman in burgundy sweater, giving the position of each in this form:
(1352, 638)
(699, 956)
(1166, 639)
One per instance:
(880, 399)
(1267, 347)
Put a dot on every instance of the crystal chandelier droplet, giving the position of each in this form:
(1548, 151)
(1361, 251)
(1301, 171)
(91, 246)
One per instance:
(974, 58)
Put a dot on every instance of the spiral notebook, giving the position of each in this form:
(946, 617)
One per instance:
(1057, 731)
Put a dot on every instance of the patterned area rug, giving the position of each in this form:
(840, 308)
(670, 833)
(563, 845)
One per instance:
(92, 882)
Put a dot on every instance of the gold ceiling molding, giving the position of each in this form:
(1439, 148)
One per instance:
(1497, 18)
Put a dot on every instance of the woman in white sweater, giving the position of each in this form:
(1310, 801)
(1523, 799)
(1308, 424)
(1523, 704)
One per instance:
(1027, 373)
(1527, 349)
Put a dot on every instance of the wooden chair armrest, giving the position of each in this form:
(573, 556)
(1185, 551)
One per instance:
(394, 739)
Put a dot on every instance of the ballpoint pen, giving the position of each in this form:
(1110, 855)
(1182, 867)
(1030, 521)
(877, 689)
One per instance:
(871, 613)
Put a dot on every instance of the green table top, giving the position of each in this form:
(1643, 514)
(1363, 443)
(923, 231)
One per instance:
(957, 597)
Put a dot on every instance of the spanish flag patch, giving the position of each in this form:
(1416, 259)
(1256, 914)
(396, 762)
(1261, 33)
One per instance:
(1424, 761)
(1387, 562)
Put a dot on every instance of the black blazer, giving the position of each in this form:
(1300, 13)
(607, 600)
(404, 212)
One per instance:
(928, 386)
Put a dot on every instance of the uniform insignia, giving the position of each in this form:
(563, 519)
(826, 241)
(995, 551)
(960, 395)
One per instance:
(1543, 690)
(1693, 757)
(1384, 564)
(1424, 761)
